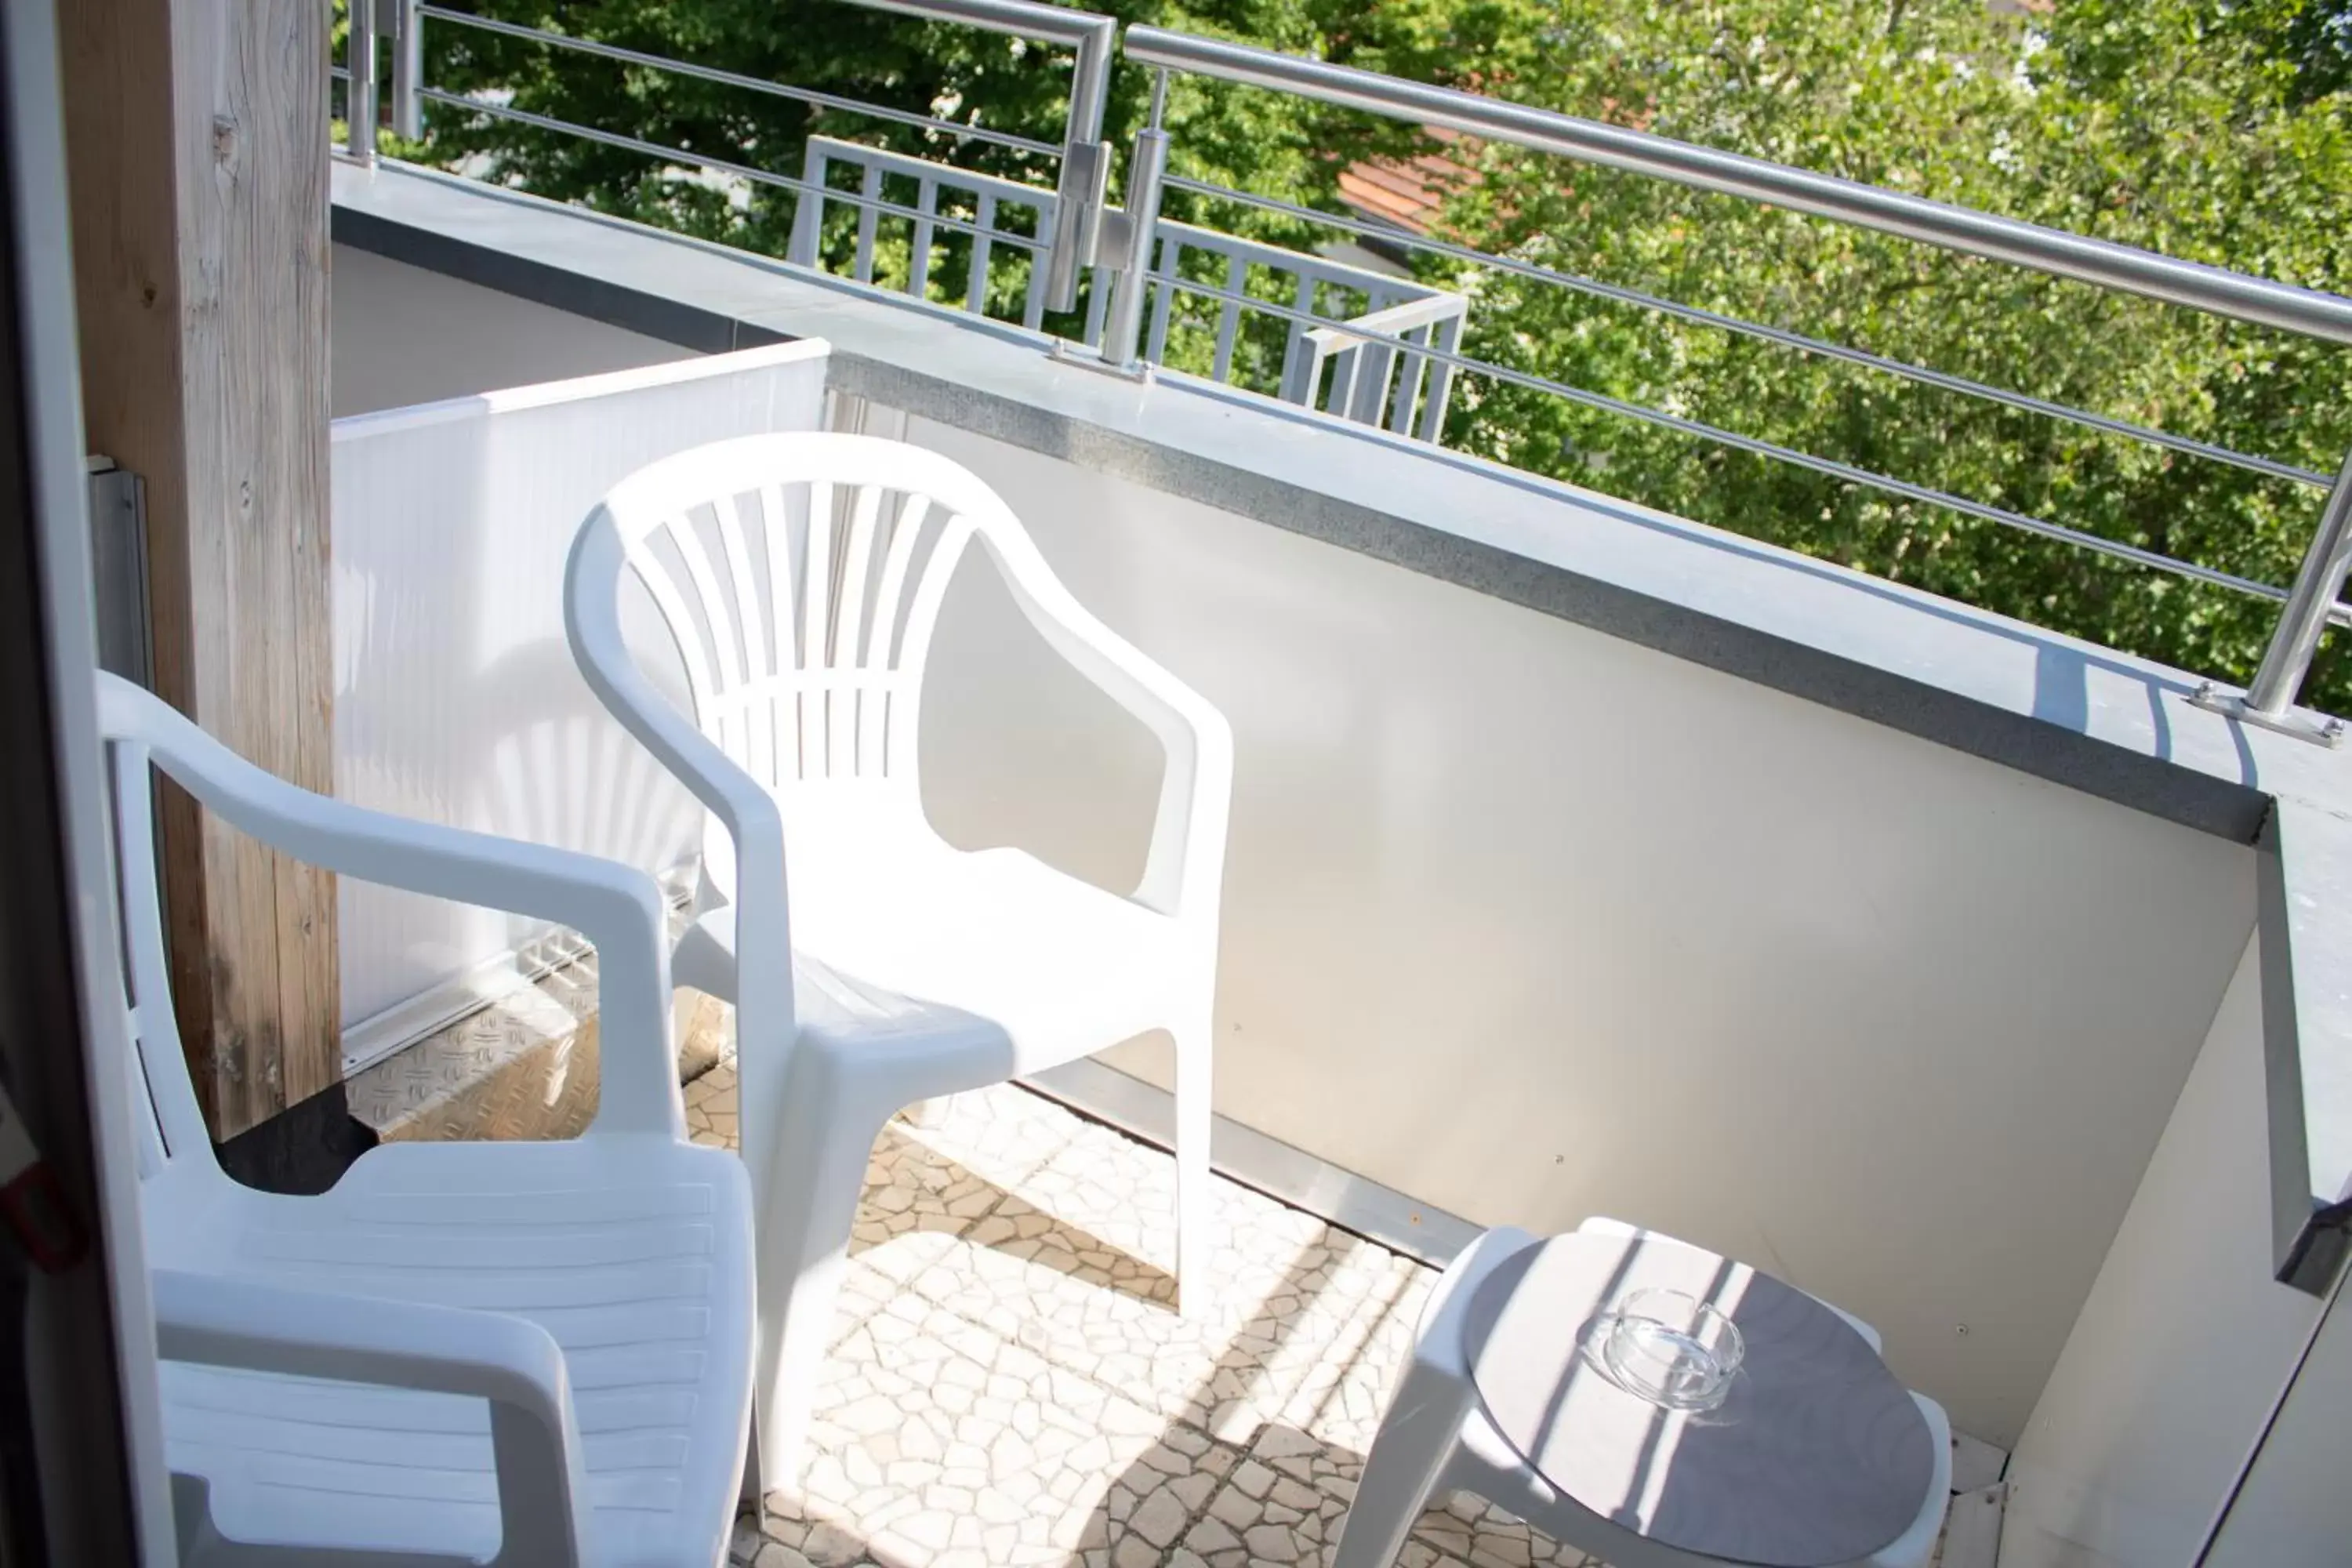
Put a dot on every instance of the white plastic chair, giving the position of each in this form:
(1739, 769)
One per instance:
(1435, 1439)
(924, 970)
(519, 1353)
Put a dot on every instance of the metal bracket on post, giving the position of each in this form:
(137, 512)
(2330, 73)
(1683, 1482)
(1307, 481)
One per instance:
(1084, 189)
(2318, 729)
(1079, 201)
(118, 562)
(1063, 352)
(2311, 606)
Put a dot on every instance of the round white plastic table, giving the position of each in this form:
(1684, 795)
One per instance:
(1817, 1455)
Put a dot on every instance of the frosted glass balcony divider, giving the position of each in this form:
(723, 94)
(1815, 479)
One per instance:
(456, 699)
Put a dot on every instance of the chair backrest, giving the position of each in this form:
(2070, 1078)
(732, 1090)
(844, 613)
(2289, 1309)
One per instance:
(801, 575)
(175, 1143)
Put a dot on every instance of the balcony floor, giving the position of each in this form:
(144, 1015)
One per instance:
(1010, 1386)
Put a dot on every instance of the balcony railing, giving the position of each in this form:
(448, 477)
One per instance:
(1385, 351)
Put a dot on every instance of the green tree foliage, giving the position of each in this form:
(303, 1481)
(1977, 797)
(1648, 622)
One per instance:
(944, 71)
(2214, 132)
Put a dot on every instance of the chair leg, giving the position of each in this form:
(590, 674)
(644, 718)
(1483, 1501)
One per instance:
(1408, 1458)
(818, 1175)
(1195, 1203)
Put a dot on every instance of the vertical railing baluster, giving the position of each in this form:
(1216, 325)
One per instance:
(808, 209)
(1033, 292)
(1441, 385)
(1163, 298)
(976, 288)
(869, 218)
(1348, 362)
(1229, 318)
(918, 250)
(1410, 375)
(1299, 381)
(1372, 374)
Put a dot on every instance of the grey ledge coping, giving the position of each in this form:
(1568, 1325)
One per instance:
(2070, 711)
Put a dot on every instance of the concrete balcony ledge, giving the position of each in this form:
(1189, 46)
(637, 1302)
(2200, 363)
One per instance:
(2117, 728)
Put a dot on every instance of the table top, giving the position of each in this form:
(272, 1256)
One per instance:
(1816, 1456)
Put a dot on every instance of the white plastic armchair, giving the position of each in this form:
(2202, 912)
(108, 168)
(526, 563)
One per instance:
(802, 575)
(517, 1353)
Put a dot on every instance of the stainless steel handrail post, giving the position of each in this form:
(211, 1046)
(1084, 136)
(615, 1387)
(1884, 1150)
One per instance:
(2319, 583)
(1146, 167)
(1083, 190)
(408, 69)
(360, 95)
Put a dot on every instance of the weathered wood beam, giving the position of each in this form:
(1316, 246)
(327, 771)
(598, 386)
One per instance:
(196, 134)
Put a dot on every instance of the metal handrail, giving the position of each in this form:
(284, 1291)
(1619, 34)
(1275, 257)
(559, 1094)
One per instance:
(1078, 236)
(2050, 250)
(1943, 381)
(736, 78)
(2339, 615)
(1082, 190)
(1090, 35)
(2311, 603)
(738, 170)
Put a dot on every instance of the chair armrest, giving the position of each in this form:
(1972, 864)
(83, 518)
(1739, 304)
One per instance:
(1184, 868)
(511, 1362)
(615, 907)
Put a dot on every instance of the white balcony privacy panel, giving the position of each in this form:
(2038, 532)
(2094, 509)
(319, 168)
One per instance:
(456, 699)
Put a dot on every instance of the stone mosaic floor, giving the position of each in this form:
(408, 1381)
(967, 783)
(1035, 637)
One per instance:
(1010, 1386)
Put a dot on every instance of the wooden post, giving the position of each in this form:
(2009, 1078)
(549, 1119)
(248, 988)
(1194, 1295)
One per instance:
(196, 134)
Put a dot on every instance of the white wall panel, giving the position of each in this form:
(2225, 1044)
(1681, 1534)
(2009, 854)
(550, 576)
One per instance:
(2296, 1507)
(455, 698)
(2183, 1345)
(1533, 924)
(402, 335)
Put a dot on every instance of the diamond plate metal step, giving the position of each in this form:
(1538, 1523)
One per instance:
(525, 1066)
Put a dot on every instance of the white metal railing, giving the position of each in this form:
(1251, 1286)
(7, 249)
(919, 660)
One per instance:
(1085, 160)
(1362, 345)
(1330, 368)
(1394, 366)
(1374, 382)
(988, 195)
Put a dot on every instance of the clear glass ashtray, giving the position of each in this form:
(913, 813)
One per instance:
(1668, 1347)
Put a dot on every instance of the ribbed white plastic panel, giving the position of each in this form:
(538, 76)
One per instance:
(456, 699)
